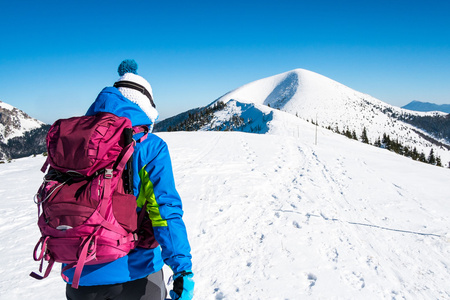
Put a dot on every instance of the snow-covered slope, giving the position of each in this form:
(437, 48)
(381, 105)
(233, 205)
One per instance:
(277, 217)
(20, 134)
(311, 96)
(14, 122)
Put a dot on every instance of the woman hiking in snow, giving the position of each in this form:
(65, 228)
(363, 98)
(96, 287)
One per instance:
(138, 275)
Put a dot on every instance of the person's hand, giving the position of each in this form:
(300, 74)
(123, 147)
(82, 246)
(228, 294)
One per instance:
(183, 286)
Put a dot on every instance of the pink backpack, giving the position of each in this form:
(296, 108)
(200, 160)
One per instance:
(88, 209)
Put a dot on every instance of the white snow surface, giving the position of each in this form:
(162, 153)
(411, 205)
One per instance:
(275, 216)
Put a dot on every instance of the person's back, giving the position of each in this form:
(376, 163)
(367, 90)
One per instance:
(139, 274)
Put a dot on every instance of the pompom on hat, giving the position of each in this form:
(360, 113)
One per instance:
(136, 88)
(127, 66)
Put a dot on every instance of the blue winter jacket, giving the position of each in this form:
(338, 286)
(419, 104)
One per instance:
(153, 180)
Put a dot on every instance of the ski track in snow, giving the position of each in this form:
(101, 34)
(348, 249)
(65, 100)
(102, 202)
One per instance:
(276, 217)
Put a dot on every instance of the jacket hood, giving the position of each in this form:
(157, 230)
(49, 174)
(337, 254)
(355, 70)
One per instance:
(112, 101)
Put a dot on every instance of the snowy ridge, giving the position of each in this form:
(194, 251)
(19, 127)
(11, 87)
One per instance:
(14, 122)
(6, 106)
(311, 96)
(20, 135)
(276, 217)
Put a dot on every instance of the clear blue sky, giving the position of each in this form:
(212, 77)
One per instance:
(56, 56)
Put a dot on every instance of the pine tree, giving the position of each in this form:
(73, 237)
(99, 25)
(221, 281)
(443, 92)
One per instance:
(431, 157)
(415, 154)
(364, 137)
(348, 133)
(377, 142)
(386, 141)
(406, 151)
(438, 162)
(422, 157)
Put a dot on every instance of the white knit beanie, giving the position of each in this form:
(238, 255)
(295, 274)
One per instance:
(128, 73)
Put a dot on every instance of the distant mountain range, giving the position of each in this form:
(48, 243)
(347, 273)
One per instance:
(269, 104)
(427, 106)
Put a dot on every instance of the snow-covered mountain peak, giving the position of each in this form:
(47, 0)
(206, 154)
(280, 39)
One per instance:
(6, 106)
(314, 97)
(300, 90)
(14, 122)
(20, 134)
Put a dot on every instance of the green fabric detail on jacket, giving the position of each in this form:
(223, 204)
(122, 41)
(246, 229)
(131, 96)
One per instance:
(146, 192)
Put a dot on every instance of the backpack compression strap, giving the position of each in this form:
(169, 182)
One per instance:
(43, 243)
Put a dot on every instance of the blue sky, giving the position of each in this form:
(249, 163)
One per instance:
(56, 56)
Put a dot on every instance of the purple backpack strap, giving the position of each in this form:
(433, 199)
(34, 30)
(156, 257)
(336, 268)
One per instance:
(126, 156)
(140, 129)
(128, 151)
(43, 242)
(45, 165)
(82, 260)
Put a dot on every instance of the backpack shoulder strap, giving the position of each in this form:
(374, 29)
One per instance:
(141, 129)
(128, 173)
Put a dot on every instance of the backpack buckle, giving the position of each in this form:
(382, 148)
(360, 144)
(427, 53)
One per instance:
(108, 173)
